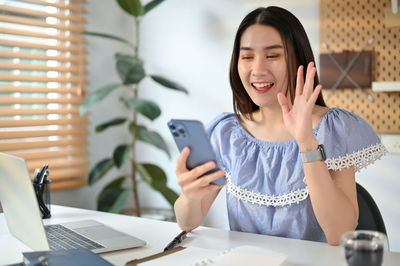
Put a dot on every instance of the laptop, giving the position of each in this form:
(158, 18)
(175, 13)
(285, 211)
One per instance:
(24, 220)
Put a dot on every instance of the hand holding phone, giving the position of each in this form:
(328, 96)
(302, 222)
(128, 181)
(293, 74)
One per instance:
(192, 133)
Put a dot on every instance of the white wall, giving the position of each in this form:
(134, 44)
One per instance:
(190, 42)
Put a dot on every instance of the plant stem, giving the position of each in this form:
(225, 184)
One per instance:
(133, 158)
(137, 24)
(134, 130)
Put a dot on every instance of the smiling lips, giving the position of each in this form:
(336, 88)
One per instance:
(262, 87)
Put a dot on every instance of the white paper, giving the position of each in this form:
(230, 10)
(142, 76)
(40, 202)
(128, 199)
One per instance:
(184, 257)
(243, 255)
(249, 255)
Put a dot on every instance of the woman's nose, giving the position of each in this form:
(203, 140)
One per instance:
(260, 66)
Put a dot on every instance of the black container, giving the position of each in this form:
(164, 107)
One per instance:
(42, 192)
(364, 256)
(364, 248)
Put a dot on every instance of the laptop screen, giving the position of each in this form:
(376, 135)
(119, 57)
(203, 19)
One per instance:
(19, 203)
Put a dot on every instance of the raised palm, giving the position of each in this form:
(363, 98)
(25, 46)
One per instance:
(297, 117)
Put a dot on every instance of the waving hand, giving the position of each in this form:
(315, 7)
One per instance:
(297, 117)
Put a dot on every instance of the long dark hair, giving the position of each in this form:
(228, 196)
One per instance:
(297, 50)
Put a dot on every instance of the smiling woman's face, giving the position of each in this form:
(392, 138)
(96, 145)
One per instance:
(262, 64)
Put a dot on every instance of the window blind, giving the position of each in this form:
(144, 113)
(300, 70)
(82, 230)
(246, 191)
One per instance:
(42, 82)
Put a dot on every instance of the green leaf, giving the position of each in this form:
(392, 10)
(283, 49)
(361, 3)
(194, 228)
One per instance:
(150, 137)
(157, 179)
(115, 183)
(132, 7)
(147, 108)
(96, 97)
(149, 6)
(125, 5)
(130, 69)
(107, 36)
(169, 84)
(113, 197)
(99, 170)
(113, 122)
(121, 154)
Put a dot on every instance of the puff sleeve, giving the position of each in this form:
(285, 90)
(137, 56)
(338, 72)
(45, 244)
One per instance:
(348, 141)
(218, 131)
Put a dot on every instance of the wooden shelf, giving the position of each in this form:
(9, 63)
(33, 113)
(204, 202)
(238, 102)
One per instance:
(386, 86)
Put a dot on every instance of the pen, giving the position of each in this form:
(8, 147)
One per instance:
(42, 174)
(45, 176)
(177, 240)
(36, 176)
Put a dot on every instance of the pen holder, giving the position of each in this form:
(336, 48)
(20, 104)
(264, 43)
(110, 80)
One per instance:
(42, 192)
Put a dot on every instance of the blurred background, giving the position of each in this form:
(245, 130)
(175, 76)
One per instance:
(191, 42)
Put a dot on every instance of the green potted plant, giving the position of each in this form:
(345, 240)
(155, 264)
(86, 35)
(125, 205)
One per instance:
(130, 69)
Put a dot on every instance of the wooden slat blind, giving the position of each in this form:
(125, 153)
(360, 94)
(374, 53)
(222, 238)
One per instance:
(35, 56)
(74, 49)
(42, 81)
(33, 22)
(60, 5)
(33, 11)
(76, 39)
(62, 69)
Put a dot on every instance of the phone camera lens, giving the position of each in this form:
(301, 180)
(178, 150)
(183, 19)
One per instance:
(181, 130)
(176, 134)
(172, 127)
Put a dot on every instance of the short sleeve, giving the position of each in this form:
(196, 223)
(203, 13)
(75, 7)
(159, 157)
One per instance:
(217, 130)
(348, 140)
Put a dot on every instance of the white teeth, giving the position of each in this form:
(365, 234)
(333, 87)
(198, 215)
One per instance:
(261, 85)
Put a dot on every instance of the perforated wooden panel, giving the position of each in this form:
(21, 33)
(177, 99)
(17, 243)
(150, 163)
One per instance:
(348, 25)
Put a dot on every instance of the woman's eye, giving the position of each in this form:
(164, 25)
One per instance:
(246, 57)
(272, 56)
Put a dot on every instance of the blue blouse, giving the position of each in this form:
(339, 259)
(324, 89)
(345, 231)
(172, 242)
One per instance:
(266, 190)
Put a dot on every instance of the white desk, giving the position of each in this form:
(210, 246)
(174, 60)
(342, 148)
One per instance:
(158, 234)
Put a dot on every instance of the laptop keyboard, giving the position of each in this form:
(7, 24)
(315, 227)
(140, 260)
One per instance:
(60, 237)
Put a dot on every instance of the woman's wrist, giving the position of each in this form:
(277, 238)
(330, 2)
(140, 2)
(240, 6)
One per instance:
(189, 200)
(309, 145)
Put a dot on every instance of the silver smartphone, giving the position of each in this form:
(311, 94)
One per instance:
(193, 134)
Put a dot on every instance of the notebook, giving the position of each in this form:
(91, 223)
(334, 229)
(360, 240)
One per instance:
(23, 218)
(76, 257)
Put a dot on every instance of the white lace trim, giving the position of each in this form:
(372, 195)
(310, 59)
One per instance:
(265, 199)
(358, 159)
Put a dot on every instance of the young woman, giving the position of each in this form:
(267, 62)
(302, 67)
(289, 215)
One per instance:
(290, 161)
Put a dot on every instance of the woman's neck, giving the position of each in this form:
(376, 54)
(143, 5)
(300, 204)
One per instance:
(267, 125)
(268, 117)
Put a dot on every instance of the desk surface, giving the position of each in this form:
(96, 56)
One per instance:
(157, 234)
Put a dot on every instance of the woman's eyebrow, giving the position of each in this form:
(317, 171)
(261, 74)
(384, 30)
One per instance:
(271, 47)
